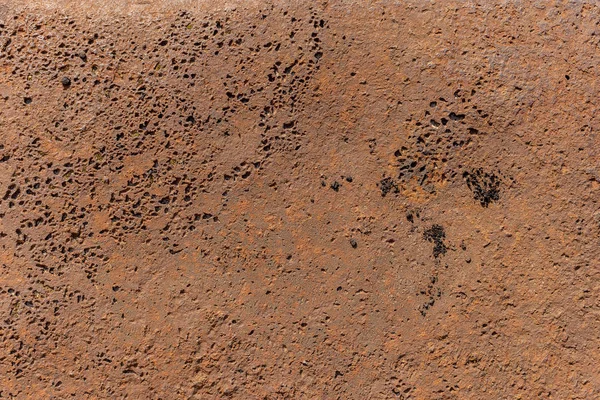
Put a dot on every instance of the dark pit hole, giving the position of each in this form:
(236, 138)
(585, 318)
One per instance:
(456, 117)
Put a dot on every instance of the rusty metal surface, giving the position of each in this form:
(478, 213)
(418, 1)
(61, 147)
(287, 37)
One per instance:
(299, 200)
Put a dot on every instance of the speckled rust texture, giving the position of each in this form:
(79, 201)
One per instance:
(299, 200)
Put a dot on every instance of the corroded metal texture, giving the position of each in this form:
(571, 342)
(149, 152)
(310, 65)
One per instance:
(300, 200)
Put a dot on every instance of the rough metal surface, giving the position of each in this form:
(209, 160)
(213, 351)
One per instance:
(299, 200)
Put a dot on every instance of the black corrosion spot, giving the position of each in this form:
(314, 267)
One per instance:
(436, 235)
(387, 185)
(484, 185)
